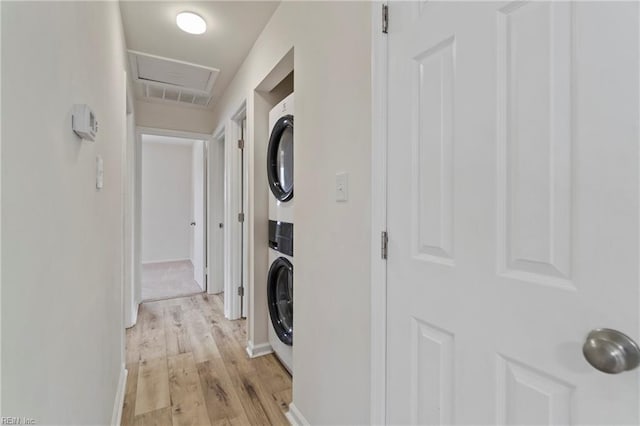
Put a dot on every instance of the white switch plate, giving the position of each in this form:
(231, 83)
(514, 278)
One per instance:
(342, 186)
(99, 172)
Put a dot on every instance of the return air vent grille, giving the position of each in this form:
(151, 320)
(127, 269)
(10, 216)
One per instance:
(172, 81)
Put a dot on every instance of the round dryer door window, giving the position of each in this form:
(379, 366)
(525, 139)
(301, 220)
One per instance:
(280, 159)
(280, 299)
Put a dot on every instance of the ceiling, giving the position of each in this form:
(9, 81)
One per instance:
(232, 29)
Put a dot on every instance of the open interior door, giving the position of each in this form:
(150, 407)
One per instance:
(513, 213)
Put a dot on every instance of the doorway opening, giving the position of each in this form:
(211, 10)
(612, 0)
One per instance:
(174, 211)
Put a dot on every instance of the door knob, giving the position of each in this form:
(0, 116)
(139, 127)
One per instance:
(611, 351)
(192, 224)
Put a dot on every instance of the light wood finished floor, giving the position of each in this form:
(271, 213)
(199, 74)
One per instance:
(188, 366)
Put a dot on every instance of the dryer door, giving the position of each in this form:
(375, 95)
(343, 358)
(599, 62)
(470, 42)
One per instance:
(280, 159)
(280, 299)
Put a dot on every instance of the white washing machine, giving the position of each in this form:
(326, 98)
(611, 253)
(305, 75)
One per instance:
(280, 277)
(280, 161)
(280, 291)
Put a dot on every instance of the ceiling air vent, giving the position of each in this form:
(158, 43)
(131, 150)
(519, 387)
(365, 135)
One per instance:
(172, 81)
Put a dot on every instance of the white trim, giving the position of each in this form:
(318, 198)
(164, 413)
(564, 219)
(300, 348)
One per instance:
(379, 58)
(150, 262)
(213, 150)
(232, 228)
(134, 314)
(255, 351)
(130, 258)
(295, 417)
(219, 132)
(207, 139)
(172, 133)
(116, 416)
(0, 220)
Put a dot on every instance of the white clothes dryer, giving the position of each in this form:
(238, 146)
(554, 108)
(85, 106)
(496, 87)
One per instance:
(280, 161)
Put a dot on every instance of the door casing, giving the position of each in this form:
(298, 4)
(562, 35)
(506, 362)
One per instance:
(378, 318)
(208, 140)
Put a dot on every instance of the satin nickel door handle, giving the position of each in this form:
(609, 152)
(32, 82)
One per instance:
(611, 351)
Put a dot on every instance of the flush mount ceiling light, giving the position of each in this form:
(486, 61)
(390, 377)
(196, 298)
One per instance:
(191, 23)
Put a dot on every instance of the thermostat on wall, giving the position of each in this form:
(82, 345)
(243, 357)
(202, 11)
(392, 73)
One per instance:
(83, 122)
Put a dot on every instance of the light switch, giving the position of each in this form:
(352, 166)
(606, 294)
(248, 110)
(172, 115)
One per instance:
(342, 186)
(99, 172)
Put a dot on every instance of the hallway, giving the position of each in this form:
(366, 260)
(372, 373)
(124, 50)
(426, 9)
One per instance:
(187, 365)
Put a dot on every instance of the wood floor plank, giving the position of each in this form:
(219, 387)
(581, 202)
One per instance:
(257, 403)
(152, 392)
(215, 316)
(152, 337)
(187, 399)
(202, 343)
(283, 399)
(219, 393)
(272, 374)
(132, 341)
(176, 334)
(188, 366)
(161, 417)
(129, 406)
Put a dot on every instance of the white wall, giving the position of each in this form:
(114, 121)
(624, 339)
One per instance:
(332, 83)
(62, 318)
(173, 117)
(166, 198)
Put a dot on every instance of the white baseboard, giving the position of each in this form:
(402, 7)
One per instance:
(116, 417)
(295, 417)
(255, 351)
(134, 315)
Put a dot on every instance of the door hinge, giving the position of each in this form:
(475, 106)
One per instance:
(240, 217)
(241, 291)
(206, 270)
(385, 19)
(240, 144)
(384, 244)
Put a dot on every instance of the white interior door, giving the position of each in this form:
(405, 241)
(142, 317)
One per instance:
(513, 173)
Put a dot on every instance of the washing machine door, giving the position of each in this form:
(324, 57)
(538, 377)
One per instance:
(280, 159)
(280, 299)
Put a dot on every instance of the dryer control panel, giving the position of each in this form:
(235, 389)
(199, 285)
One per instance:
(281, 237)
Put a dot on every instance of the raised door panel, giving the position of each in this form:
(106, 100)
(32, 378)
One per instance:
(431, 374)
(535, 142)
(432, 168)
(527, 396)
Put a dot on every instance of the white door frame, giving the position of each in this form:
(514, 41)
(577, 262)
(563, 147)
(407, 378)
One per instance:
(214, 150)
(378, 319)
(242, 187)
(235, 262)
(207, 139)
(128, 171)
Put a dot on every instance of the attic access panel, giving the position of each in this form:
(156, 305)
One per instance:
(172, 80)
(174, 73)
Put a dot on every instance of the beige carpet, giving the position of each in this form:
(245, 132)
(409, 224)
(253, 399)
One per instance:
(165, 280)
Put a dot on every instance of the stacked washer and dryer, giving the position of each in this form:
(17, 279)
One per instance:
(280, 277)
